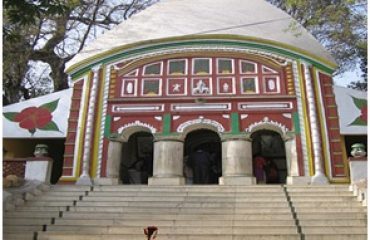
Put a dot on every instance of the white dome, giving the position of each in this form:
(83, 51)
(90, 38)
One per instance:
(174, 18)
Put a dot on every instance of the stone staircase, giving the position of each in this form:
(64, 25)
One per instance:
(327, 212)
(189, 212)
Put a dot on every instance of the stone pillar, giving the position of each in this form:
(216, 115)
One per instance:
(292, 164)
(85, 178)
(237, 166)
(168, 162)
(113, 164)
(319, 177)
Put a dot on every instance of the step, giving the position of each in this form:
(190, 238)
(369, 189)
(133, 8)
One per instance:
(164, 210)
(48, 203)
(322, 194)
(323, 230)
(331, 216)
(186, 194)
(173, 223)
(22, 228)
(317, 188)
(30, 214)
(69, 188)
(336, 237)
(165, 204)
(64, 194)
(177, 230)
(26, 221)
(328, 210)
(41, 208)
(281, 198)
(75, 236)
(56, 198)
(328, 204)
(193, 189)
(19, 236)
(322, 199)
(155, 217)
(336, 223)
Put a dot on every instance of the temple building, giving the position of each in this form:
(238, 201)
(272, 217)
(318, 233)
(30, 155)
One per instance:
(227, 77)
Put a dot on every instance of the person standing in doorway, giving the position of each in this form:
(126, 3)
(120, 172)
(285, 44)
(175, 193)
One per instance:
(201, 162)
(259, 169)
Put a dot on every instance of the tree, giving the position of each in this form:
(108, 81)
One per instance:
(53, 32)
(362, 52)
(340, 25)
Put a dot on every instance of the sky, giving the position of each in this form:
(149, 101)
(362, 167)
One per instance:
(347, 77)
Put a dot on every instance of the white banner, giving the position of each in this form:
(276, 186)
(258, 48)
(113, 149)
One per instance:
(352, 110)
(41, 117)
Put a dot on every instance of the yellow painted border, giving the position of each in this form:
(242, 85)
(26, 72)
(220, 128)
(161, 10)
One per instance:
(306, 120)
(97, 131)
(68, 179)
(345, 158)
(339, 180)
(83, 123)
(324, 139)
(256, 40)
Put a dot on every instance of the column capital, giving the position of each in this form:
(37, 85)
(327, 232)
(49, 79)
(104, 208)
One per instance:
(96, 68)
(115, 137)
(168, 138)
(236, 137)
(289, 136)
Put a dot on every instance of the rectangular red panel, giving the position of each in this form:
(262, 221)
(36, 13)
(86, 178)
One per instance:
(68, 162)
(67, 172)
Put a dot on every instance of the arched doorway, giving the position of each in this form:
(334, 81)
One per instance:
(202, 157)
(137, 159)
(269, 157)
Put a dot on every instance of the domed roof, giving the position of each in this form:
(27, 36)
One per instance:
(256, 19)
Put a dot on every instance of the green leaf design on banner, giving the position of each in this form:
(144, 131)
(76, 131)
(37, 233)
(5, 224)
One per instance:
(10, 115)
(51, 106)
(360, 103)
(51, 126)
(358, 122)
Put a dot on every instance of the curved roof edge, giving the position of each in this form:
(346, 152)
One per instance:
(270, 46)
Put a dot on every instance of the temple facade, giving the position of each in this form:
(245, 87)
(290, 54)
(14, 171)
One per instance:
(228, 77)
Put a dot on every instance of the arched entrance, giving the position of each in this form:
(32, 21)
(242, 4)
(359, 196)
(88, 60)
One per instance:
(269, 157)
(202, 157)
(137, 159)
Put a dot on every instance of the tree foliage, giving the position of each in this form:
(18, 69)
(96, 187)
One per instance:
(362, 84)
(54, 31)
(340, 25)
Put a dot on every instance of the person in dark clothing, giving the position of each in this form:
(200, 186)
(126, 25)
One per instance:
(201, 163)
(272, 173)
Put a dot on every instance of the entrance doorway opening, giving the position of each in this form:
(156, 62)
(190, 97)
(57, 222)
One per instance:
(202, 157)
(269, 158)
(137, 159)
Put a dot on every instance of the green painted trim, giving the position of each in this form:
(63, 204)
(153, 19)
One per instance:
(166, 124)
(130, 50)
(297, 126)
(235, 123)
(107, 126)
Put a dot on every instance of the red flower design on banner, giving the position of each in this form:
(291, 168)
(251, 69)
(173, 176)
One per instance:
(363, 115)
(33, 118)
(361, 104)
